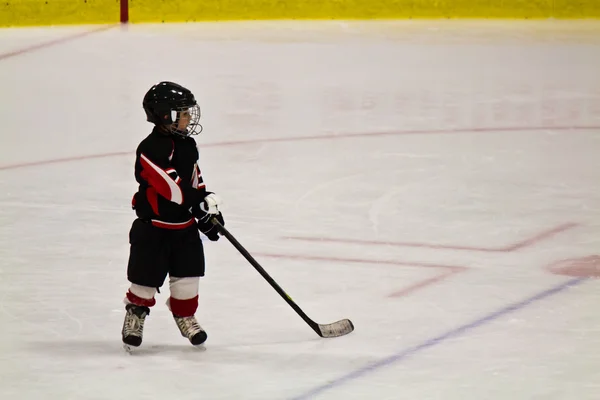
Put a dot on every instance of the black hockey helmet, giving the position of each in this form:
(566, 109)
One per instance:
(165, 102)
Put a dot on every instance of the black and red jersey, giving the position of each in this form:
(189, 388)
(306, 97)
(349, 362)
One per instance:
(170, 181)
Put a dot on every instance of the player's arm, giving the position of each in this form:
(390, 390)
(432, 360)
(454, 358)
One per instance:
(207, 209)
(159, 173)
(210, 203)
(197, 180)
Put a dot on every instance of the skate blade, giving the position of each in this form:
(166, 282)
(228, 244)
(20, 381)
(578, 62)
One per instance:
(199, 347)
(128, 348)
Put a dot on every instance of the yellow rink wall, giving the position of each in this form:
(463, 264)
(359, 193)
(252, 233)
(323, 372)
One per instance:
(58, 12)
(166, 11)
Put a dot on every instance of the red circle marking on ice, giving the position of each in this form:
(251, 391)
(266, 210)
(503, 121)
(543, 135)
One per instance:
(588, 267)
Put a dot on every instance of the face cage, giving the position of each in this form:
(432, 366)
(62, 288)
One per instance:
(193, 128)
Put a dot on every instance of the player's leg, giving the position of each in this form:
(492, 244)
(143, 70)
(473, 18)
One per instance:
(186, 268)
(146, 270)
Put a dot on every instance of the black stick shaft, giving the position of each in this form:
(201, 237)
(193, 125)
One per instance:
(265, 275)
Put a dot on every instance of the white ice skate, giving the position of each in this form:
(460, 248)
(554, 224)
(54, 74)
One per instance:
(189, 328)
(133, 326)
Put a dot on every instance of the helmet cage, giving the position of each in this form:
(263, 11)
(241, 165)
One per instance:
(193, 127)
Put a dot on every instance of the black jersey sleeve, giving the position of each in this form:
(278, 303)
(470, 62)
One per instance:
(197, 180)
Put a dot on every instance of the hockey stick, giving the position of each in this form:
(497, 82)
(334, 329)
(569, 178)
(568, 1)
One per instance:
(339, 328)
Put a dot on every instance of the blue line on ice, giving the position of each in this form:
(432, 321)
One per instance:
(402, 355)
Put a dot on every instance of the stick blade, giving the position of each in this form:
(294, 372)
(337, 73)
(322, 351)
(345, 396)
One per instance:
(336, 329)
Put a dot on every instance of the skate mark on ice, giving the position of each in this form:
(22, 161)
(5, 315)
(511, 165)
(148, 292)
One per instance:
(379, 204)
(325, 185)
(34, 326)
(77, 321)
(461, 330)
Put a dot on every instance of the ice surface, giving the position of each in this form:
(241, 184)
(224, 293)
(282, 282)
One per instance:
(442, 166)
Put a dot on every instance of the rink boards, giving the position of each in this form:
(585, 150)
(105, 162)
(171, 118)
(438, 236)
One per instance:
(60, 12)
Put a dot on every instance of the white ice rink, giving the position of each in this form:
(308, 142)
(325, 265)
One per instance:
(426, 180)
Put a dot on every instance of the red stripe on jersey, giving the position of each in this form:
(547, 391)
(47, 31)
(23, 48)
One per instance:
(173, 225)
(194, 180)
(160, 180)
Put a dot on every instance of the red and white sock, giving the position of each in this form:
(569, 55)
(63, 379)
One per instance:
(140, 295)
(184, 296)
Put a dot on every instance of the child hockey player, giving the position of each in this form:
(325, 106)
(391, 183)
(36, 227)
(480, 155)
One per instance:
(172, 205)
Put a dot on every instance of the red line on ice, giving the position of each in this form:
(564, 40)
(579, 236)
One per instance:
(309, 138)
(54, 42)
(447, 270)
(503, 249)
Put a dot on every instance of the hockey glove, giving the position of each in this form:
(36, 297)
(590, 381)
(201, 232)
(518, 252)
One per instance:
(210, 204)
(208, 228)
(206, 210)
